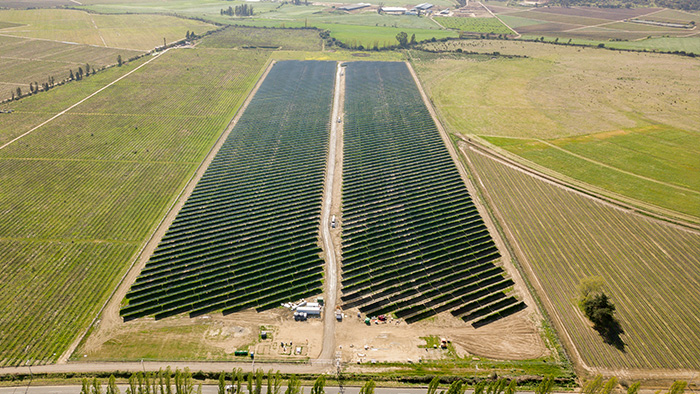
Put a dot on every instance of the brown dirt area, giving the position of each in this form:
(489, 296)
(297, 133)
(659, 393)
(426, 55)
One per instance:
(512, 338)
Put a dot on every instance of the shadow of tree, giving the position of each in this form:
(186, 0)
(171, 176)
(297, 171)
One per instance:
(611, 334)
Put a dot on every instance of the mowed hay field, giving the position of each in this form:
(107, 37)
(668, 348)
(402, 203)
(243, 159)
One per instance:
(597, 116)
(82, 193)
(651, 269)
(136, 32)
(25, 60)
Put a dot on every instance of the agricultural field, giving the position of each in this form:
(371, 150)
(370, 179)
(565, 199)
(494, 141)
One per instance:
(474, 25)
(355, 29)
(562, 107)
(248, 234)
(413, 242)
(600, 24)
(24, 61)
(650, 268)
(368, 36)
(242, 37)
(133, 32)
(24, 4)
(655, 163)
(380, 36)
(82, 193)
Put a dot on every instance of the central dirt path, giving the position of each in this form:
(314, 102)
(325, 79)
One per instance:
(331, 194)
(110, 312)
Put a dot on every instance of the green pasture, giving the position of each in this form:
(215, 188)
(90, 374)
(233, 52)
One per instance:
(288, 39)
(657, 165)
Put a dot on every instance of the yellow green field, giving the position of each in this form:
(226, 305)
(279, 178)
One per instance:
(26, 60)
(135, 32)
(597, 116)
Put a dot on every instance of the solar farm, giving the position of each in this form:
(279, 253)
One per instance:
(414, 243)
(247, 236)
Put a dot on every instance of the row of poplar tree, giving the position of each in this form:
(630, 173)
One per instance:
(238, 382)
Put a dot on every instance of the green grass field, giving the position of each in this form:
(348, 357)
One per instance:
(664, 160)
(650, 269)
(561, 94)
(289, 39)
(474, 25)
(24, 61)
(380, 36)
(134, 32)
(82, 193)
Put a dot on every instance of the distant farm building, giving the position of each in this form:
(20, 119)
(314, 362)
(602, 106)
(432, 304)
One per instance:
(394, 10)
(353, 7)
(423, 7)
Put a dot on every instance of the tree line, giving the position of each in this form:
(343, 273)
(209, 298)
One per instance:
(36, 87)
(258, 382)
(239, 10)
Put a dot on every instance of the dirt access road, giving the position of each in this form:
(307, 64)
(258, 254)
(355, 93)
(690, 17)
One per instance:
(331, 291)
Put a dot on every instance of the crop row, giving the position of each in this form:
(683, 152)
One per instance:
(414, 243)
(248, 234)
(81, 193)
(651, 269)
(474, 25)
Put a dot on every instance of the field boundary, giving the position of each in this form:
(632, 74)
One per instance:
(618, 201)
(110, 309)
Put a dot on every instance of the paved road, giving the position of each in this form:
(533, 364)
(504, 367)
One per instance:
(328, 347)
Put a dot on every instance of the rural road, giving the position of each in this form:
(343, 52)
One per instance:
(328, 347)
(213, 389)
(210, 389)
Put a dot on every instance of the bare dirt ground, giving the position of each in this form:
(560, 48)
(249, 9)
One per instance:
(512, 338)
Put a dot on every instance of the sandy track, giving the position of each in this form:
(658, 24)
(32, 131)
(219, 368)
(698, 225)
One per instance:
(110, 311)
(328, 347)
